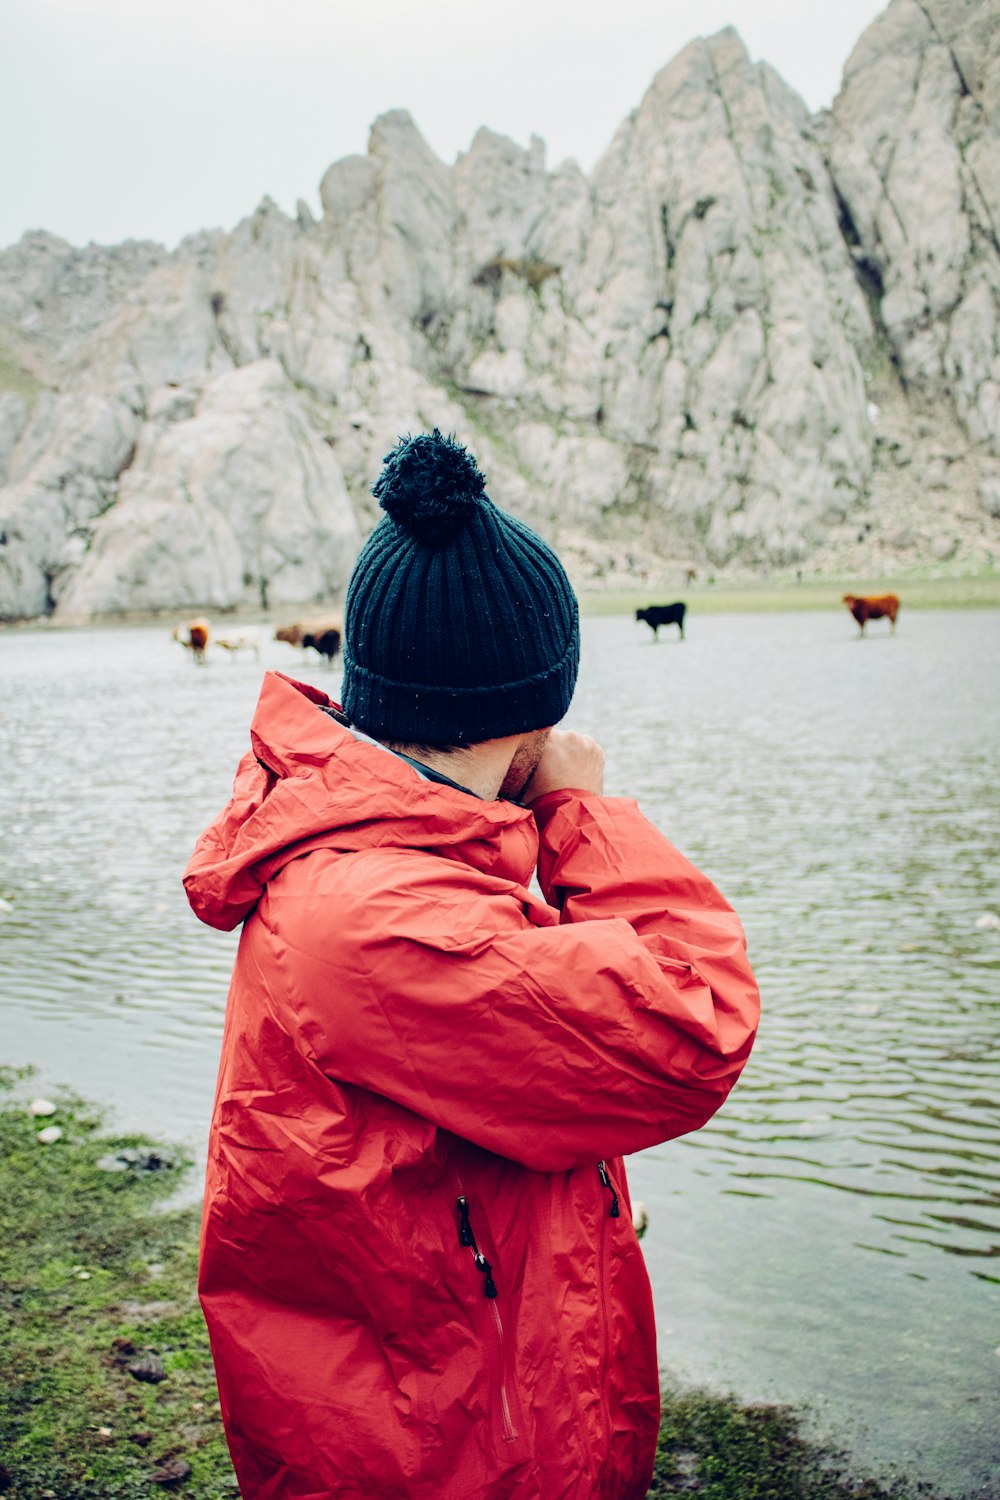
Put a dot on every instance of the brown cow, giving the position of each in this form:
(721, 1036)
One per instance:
(865, 609)
(295, 634)
(193, 636)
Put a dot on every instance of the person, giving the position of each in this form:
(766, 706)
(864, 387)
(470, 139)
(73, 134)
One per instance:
(418, 1264)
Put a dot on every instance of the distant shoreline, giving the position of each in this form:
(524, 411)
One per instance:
(778, 595)
(937, 589)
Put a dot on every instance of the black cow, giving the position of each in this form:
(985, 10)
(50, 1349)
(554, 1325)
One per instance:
(327, 643)
(663, 614)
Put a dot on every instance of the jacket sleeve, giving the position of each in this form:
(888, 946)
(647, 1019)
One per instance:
(621, 1023)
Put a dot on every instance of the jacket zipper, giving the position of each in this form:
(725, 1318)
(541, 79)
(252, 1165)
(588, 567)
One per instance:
(613, 1213)
(602, 1172)
(467, 1238)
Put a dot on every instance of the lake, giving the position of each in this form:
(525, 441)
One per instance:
(833, 1236)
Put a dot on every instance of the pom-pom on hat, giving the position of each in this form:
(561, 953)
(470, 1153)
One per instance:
(460, 624)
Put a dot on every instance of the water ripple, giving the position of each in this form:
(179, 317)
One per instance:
(846, 800)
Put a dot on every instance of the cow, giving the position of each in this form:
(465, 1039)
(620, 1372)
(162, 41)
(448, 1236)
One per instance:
(865, 609)
(327, 642)
(663, 614)
(193, 635)
(290, 634)
(295, 634)
(235, 641)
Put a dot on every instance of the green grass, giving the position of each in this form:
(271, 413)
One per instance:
(94, 1270)
(714, 1448)
(88, 1269)
(918, 590)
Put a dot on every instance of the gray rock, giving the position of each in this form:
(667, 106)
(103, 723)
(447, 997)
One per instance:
(174, 536)
(171, 1472)
(748, 338)
(915, 154)
(13, 420)
(148, 1367)
(131, 1160)
(989, 495)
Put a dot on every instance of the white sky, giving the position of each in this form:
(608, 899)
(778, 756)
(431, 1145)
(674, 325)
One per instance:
(151, 118)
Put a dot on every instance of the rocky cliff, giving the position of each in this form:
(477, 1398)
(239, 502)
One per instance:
(749, 339)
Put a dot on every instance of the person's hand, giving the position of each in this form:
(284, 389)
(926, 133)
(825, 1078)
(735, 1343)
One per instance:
(568, 760)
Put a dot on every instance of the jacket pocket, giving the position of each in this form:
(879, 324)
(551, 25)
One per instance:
(498, 1352)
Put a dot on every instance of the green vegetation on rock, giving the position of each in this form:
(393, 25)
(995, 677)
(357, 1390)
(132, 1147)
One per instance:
(14, 378)
(535, 272)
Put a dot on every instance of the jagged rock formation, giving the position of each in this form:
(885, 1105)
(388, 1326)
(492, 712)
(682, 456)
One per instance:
(748, 338)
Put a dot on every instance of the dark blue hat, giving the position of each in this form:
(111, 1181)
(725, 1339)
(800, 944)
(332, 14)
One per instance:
(460, 623)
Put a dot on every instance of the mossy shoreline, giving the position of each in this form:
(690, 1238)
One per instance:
(106, 1383)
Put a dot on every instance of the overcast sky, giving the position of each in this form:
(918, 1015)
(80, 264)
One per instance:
(151, 118)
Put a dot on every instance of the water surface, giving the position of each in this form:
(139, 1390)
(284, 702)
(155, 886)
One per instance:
(834, 1234)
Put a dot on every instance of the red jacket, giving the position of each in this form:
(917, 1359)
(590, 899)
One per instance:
(418, 1264)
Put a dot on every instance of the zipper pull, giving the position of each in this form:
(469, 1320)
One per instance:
(465, 1235)
(606, 1180)
(483, 1266)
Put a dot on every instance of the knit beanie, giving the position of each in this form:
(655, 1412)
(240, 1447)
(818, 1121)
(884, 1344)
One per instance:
(460, 623)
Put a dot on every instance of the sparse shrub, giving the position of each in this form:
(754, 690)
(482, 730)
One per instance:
(534, 272)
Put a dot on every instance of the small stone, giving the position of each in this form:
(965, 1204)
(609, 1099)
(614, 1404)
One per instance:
(131, 1160)
(40, 1107)
(173, 1471)
(82, 1275)
(152, 1161)
(148, 1367)
(49, 1135)
(640, 1218)
(988, 922)
(104, 1432)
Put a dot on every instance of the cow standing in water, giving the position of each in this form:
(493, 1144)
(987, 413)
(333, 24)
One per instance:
(193, 635)
(873, 608)
(307, 632)
(663, 614)
(326, 642)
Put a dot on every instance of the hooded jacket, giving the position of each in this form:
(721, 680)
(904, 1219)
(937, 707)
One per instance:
(418, 1265)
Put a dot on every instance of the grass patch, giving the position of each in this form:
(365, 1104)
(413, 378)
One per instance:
(92, 1279)
(716, 1449)
(750, 596)
(95, 1276)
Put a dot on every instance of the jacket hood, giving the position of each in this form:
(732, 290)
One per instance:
(307, 784)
